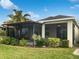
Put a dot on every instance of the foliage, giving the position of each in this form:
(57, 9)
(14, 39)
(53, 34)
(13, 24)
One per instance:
(13, 41)
(2, 32)
(8, 40)
(23, 42)
(18, 16)
(39, 41)
(4, 40)
(34, 37)
(54, 42)
(39, 37)
(42, 42)
(65, 43)
(77, 43)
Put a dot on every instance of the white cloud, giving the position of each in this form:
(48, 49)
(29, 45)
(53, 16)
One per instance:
(7, 4)
(34, 16)
(75, 6)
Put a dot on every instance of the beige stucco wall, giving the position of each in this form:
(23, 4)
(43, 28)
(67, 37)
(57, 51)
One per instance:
(70, 33)
(76, 34)
(43, 30)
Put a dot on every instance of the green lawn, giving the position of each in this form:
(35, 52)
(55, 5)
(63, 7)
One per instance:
(11, 52)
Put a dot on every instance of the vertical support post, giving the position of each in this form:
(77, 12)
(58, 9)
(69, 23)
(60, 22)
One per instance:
(6, 31)
(70, 33)
(34, 29)
(15, 32)
(43, 30)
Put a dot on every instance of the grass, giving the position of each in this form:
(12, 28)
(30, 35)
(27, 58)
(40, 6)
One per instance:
(15, 52)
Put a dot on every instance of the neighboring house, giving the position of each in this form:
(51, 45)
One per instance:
(64, 27)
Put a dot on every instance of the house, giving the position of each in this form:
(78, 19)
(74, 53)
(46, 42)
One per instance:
(64, 27)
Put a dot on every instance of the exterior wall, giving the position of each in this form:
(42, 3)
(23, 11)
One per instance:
(76, 34)
(70, 33)
(43, 30)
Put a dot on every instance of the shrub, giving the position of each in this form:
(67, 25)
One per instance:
(65, 43)
(8, 40)
(54, 42)
(5, 40)
(2, 32)
(37, 40)
(23, 42)
(13, 41)
(41, 42)
(39, 37)
(77, 43)
(34, 37)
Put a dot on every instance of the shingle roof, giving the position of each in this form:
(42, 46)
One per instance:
(56, 17)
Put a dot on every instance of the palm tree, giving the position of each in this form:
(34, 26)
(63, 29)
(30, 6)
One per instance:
(18, 16)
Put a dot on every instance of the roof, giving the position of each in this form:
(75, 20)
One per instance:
(56, 17)
(27, 22)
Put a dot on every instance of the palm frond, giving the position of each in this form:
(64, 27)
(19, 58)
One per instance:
(26, 15)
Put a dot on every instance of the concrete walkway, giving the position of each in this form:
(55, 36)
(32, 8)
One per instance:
(76, 52)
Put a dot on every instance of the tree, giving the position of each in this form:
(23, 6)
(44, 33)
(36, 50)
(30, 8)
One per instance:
(18, 16)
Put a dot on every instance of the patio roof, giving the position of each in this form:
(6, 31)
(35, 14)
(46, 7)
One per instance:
(19, 23)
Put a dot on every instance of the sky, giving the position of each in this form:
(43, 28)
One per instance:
(39, 9)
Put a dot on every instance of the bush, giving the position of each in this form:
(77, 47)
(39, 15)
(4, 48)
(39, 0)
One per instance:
(23, 42)
(34, 37)
(65, 43)
(5, 40)
(37, 40)
(13, 41)
(54, 42)
(2, 32)
(41, 42)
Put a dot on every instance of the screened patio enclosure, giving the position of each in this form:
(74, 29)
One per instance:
(23, 30)
(56, 30)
